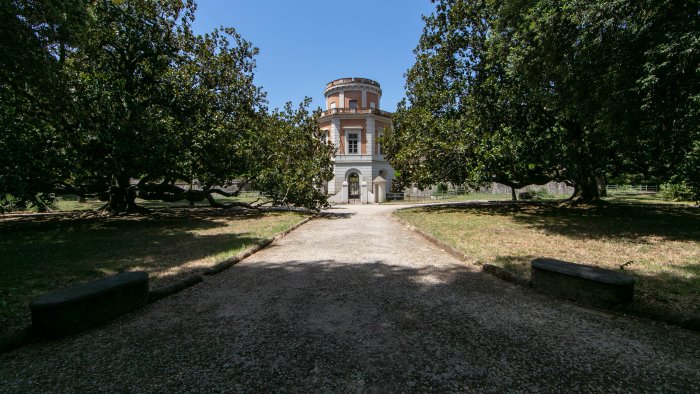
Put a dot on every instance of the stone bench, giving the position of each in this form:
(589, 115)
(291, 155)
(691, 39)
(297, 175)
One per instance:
(581, 282)
(77, 308)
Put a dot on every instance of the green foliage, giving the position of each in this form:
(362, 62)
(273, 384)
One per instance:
(118, 73)
(525, 92)
(541, 194)
(39, 202)
(291, 163)
(690, 171)
(34, 111)
(219, 112)
(676, 192)
(96, 94)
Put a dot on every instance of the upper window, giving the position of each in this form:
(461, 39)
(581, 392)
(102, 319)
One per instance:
(352, 143)
(332, 104)
(324, 136)
(372, 105)
(380, 137)
(353, 104)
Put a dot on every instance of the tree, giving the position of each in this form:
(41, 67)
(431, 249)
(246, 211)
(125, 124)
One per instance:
(119, 75)
(34, 111)
(538, 90)
(290, 162)
(217, 110)
(99, 94)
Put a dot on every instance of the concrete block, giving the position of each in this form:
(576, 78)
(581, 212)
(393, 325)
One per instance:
(582, 283)
(77, 308)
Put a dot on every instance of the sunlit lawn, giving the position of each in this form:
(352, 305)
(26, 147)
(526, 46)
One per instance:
(71, 203)
(650, 198)
(46, 253)
(659, 244)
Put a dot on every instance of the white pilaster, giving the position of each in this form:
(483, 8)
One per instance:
(335, 131)
(363, 193)
(370, 135)
(335, 140)
(341, 98)
(364, 99)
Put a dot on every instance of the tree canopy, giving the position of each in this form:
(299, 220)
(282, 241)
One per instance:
(98, 94)
(523, 92)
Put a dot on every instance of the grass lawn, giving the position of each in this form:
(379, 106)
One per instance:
(659, 244)
(50, 252)
(643, 198)
(71, 203)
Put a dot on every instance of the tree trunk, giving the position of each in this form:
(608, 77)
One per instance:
(512, 194)
(586, 189)
(122, 197)
(600, 180)
(582, 169)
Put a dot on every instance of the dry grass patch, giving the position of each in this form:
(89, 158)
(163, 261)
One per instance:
(659, 244)
(50, 252)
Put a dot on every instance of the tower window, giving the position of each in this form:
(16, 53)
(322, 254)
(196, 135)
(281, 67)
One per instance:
(372, 105)
(352, 143)
(353, 104)
(332, 104)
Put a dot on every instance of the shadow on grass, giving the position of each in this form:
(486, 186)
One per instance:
(48, 253)
(630, 222)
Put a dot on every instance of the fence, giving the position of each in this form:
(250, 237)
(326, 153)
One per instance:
(394, 196)
(251, 194)
(555, 189)
(631, 189)
(552, 188)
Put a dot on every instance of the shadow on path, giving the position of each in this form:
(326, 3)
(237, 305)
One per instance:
(373, 326)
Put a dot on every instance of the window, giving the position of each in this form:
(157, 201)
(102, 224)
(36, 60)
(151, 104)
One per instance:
(332, 104)
(372, 105)
(380, 137)
(353, 104)
(352, 143)
(324, 136)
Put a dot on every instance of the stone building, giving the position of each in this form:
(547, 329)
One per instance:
(353, 122)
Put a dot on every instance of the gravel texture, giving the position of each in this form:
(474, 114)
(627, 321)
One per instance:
(354, 302)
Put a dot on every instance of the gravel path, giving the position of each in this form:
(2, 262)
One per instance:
(355, 303)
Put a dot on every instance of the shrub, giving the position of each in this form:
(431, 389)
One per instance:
(676, 192)
(541, 194)
(525, 195)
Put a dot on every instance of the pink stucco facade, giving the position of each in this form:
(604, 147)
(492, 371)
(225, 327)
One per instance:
(365, 168)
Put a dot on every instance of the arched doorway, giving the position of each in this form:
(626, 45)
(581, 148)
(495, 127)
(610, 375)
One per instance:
(354, 187)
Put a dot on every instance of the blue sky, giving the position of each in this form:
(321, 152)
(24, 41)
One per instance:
(305, 44)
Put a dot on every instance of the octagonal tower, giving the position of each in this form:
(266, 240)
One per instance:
(354, 123)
